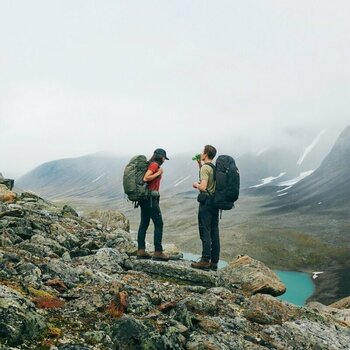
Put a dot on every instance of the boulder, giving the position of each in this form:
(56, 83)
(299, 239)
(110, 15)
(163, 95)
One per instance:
(252, 276)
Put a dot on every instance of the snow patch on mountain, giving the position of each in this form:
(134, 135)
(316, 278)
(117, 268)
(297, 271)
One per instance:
(309, 148)
(181, 180)
(98, 178)
(267, 180)
(292, 182)
(284, 189)
(262, 151)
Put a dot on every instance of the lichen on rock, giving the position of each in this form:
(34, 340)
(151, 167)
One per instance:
(72, 282)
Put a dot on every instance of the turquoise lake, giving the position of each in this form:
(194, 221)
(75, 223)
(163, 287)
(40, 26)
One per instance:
(299, 284)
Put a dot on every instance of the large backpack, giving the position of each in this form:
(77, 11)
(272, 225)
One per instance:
(134, 186)
(227, 182)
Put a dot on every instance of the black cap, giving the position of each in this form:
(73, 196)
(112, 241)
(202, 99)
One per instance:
(161, 152)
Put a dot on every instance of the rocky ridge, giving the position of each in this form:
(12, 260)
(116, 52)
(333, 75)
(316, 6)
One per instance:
(72, 282)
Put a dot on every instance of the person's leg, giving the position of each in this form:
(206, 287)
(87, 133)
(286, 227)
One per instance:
(215, 238)
(204, 225)
(157, 219)
(144, 223)
(204, 220)
(158, 231)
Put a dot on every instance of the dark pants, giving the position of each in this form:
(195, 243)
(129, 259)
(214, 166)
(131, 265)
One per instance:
(150, 210)
(208, 222)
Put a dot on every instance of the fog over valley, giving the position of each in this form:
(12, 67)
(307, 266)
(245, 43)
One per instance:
(127, 78)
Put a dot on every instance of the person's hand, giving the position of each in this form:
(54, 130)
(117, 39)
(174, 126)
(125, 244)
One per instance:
(195, 185)
(160, 171)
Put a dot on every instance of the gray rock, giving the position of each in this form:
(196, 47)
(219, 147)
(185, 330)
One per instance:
(54, 246)
(17, 213)
(308, 334)
(66, 257)
(19, 319)
(341, 315)
(203, 304)
(107, 260)
(58, 269)
(127, 333)
(177, 270)
(37, 250)
(74, 347)
(121, 240)
(30, 274)
(111, 220)
(63, 236)
(98, 337)
(68, 210)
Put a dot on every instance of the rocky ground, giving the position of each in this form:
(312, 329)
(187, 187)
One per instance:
(72, 282)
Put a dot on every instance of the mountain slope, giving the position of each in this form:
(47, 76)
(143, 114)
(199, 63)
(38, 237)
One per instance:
(328, 187)
(92, 176)
(98, 178)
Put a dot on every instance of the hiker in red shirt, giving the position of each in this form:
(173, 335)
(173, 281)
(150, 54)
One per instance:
(150, 209)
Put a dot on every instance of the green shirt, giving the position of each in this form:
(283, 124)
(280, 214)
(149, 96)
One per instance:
(207, 173)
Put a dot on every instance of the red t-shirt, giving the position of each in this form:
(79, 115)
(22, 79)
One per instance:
(155, 183)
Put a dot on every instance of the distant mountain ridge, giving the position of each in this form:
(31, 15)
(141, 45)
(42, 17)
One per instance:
(98, 178)
(328, 187)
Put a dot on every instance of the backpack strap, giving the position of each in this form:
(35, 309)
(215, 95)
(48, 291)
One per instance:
(213, 167)
(214, 172)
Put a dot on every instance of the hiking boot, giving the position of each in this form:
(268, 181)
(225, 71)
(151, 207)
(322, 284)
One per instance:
(142, 254)
(159, 255)
(202, 265)
(213, 266)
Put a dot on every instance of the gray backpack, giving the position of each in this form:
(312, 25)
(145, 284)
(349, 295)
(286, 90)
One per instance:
(134, 186)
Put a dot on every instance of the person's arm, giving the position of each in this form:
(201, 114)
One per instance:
(201, 186)
(150, 175)
(204, 176)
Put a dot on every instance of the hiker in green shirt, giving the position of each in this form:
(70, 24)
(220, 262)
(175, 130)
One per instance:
(208, 216)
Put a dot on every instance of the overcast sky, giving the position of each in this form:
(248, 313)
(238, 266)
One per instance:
(78, 77)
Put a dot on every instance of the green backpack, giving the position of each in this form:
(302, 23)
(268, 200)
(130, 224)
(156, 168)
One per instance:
(134, 186)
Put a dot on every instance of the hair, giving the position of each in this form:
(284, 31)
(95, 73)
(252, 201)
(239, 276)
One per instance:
(157, 158)
(210, 151)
